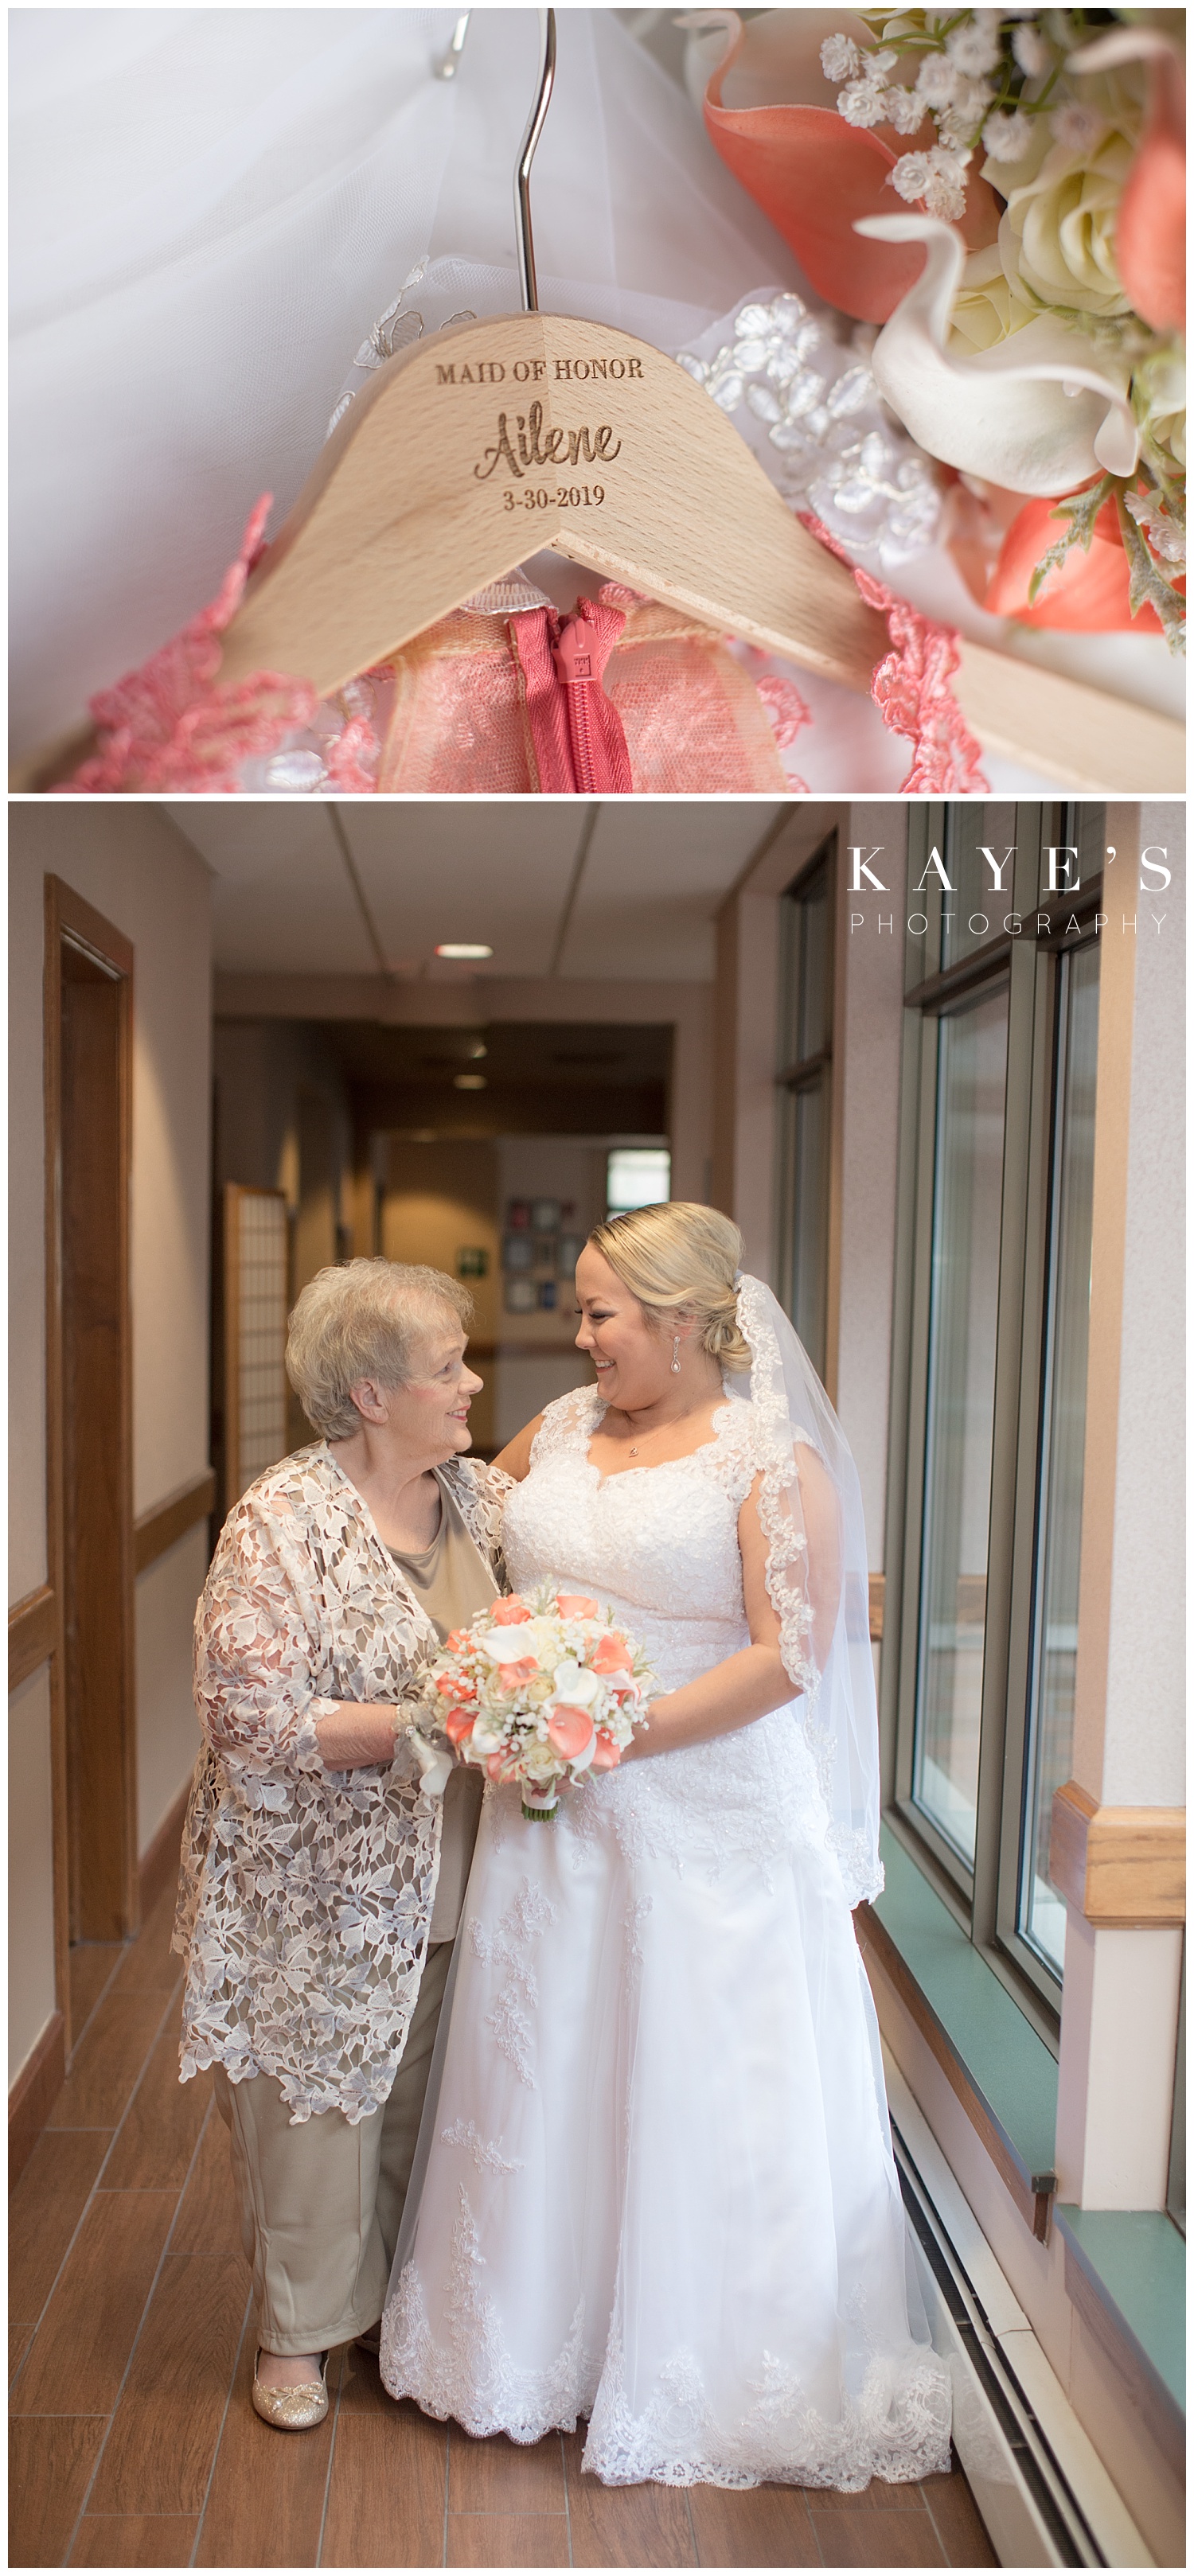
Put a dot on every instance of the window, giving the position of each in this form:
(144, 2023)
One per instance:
(970, 1079)
(989, 1395)
(805, 1060)
(1062, 1442)
(637, 1176)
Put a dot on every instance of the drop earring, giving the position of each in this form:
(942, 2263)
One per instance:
(675, 1355)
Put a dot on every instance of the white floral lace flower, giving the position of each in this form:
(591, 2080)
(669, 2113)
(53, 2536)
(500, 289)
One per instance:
(937, 80)
(1006, 137)
(910, 177)
(974, 46)
(829, 443)
(840, 58)
(954, 133)
(862, 103)
(968, 102)
(936, 178)
(903, 109)
(1031, 51)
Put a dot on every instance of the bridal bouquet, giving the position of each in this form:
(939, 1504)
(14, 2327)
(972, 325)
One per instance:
(534, 1691)
(1002, 193)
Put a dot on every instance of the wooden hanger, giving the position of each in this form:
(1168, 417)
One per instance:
(490, 440)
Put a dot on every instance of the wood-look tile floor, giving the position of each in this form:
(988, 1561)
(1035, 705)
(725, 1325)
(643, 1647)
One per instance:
(131, 2352)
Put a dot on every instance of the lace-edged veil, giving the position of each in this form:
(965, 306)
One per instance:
(810, 1506)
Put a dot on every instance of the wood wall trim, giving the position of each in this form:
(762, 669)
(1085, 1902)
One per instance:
(158, 1867)
(1123, 1867)
(1139, 2385)
(878, 1596)
(1030, 2192)
(71, 922)
(32, 1633)
(159, 1529)
(37, 2086)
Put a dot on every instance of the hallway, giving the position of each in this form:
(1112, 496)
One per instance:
(133, 2441)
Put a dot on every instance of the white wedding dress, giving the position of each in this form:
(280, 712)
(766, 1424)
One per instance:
(659, 2190)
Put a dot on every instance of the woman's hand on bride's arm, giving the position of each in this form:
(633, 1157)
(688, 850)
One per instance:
(515, 1459)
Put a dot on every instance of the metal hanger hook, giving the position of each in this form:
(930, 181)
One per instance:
(449, 64)
(522, 184)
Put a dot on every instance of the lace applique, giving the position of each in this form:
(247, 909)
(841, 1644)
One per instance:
(486, 2157)
(564, 1420)
(787, 1585)
(171, 725)
(468, 2373)
(636, 1915)
(897, 2429)
(751, 1793)
(305, 1894)
(818, 424)
(912, 688)
(509, 2017)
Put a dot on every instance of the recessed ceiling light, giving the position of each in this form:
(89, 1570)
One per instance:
(463, 948)
(470, 1082)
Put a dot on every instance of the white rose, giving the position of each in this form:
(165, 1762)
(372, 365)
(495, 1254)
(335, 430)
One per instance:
(1057, 233)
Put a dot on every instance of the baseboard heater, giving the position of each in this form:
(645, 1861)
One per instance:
(1033, 2515)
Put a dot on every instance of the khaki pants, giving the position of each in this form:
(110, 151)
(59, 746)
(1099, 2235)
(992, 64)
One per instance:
(321, 2204)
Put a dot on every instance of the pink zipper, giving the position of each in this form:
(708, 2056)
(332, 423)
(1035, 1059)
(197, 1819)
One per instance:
(577, 744)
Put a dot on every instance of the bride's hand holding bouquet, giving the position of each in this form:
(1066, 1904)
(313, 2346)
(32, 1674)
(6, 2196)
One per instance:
(539, 1691)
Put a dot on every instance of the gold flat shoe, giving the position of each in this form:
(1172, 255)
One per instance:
(292, 2410)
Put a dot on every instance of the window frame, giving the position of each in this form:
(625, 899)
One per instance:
(984, 1900)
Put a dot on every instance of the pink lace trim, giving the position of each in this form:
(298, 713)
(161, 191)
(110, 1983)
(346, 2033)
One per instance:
(172, 725)
(912, 687)
(576, 733)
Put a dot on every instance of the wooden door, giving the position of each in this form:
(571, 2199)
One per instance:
(89, 966)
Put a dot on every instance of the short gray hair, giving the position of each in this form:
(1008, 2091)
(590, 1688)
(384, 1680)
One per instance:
(364, 1319)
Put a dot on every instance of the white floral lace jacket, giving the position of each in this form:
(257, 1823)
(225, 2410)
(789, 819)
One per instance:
(306, 1894)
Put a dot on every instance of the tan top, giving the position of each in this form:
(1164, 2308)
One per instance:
(451, 1582)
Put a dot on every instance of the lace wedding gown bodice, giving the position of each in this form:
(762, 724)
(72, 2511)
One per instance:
(655, 2186)
(658, 1547)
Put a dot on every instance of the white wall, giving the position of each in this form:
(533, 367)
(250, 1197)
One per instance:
(870, 1017)
(167, 1727)
(135, 869)
(1144, 1739)
(867, 1043)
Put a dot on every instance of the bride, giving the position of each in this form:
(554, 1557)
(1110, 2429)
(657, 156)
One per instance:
(657, 2187)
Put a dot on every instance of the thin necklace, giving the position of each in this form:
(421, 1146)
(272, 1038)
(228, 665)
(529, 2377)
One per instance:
(662, 1426)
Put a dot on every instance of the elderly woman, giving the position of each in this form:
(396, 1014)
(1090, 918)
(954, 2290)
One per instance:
(322, 1884)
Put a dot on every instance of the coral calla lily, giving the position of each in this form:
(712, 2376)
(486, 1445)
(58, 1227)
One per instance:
(571, 1730)
(1086, 594)
(814, 175)
(1150, 235)
(1035, 413)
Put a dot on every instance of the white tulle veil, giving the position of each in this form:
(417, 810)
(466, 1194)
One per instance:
(810, 1507)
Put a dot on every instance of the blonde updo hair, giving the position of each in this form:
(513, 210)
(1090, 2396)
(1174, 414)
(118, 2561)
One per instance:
(679, 1259)
(364, 1319)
